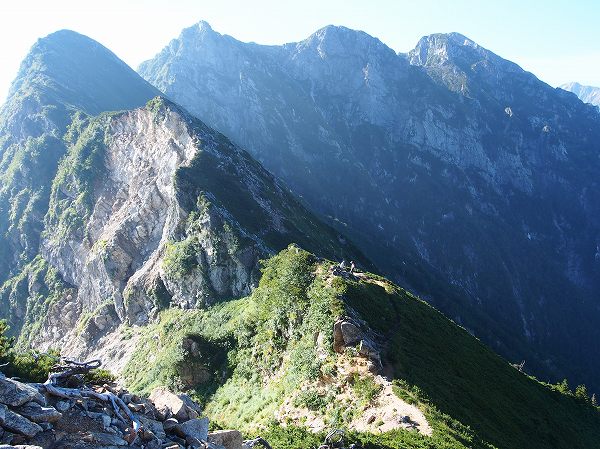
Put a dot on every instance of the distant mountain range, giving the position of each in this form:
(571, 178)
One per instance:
(458, 173)
(587, 94)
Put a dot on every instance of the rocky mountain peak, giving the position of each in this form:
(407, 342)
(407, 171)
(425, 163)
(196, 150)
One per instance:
(450, 126)
(440, 48)
(198, 32)
(339, 42)
(462, 64)
(81, 73)
(587, 94)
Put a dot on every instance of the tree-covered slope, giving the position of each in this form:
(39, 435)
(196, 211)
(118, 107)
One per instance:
(274, 359)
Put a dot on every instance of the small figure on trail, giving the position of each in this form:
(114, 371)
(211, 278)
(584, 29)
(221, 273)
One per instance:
(343, 265)
(352, 266)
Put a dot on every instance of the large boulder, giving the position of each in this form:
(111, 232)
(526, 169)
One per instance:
(37, 413)
(15, 393)
(228, 439)
(179, 406)
(194, 428)
(16, 423)
(169, 404)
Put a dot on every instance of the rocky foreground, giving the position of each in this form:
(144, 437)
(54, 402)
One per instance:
(50, 415)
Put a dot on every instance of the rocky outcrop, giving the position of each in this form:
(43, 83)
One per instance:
(15, 393)
(587, 94)
(174, 215)
(356, 335)
(165, 420)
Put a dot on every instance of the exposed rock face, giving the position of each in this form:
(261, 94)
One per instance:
(63, 73)
(587, 94)
(177, 216)
(352, 333)
(148, 209)
(462, 175)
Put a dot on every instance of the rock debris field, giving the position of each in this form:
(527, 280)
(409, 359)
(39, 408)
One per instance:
(65, 413)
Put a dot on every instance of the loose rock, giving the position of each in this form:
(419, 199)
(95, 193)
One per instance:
(17, 423)
(229, 439)
(15, 393)
(194, 428)
(38, 414)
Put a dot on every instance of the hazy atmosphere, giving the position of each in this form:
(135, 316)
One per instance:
(299, 225)
(557, 41)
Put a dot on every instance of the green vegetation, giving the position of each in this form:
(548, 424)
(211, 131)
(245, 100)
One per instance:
(28, 366)
(365, 388)
(71, 199)
(99, 376)
(259, 351)
(268, 335)
(26, 298)
(180, 257)
(453, 374)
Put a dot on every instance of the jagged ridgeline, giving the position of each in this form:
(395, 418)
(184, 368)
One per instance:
(151, 209)
(457, 172)
(65, 74)
(306, 349)
(136, 237)
(111, 216)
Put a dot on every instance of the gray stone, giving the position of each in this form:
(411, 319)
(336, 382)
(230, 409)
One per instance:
(170, 424)
(63, 406)
(15, 393)
(108, 439)
(229, 439)
(17, 423)
(351, 333)
(106, 421)
(169, 403)
(156, 427)
(193, 409)
(36, 413)
(194, 428)
(154, 444)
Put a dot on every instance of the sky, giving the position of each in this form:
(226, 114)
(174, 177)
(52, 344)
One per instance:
(559, 41)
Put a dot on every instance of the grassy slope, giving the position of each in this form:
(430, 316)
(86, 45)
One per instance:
(467, 381)
(260, 349)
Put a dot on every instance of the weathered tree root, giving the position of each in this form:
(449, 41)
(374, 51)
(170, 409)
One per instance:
(71, 368)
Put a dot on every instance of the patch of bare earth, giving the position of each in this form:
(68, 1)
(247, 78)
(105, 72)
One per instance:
(384, 413)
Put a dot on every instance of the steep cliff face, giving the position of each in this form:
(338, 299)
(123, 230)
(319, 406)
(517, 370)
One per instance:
(462, 175)
(140, 210)
(151, 209)
(64, 72)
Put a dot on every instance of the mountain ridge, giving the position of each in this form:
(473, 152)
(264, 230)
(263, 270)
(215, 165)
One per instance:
(587, 94)
(155, 243)
(139, 210)
(463, 150)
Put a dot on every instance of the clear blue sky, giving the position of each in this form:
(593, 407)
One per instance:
(557, 40)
